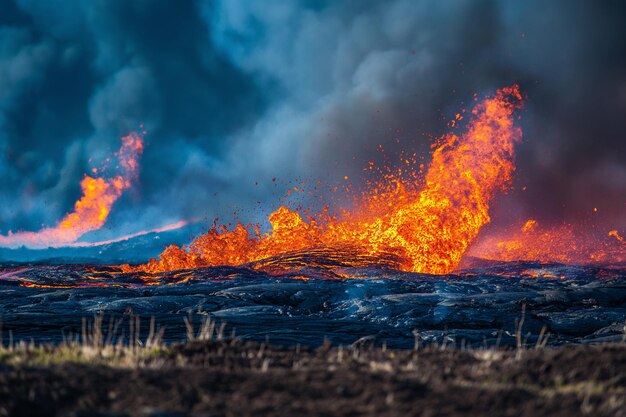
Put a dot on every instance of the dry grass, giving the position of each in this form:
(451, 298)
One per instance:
(101, 343)
(110, 343)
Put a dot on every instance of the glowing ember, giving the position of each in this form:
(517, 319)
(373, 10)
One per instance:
(616, 235)
(93, 207)
(425, 229)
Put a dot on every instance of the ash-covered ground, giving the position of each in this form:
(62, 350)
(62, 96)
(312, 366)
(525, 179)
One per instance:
(474, 307)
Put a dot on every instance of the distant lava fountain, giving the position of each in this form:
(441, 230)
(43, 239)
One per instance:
(421, 229)
(93, 207)
(570, 244)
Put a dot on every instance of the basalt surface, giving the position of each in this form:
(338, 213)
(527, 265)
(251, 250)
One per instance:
(473, 307)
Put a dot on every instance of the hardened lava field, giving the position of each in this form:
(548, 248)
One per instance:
(323, 300)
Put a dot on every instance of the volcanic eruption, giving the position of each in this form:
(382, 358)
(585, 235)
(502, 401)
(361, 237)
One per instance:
(420, 229)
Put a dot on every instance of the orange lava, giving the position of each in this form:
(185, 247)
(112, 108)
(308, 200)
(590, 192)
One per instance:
(424, 228)
(565, 244)
(93, 207)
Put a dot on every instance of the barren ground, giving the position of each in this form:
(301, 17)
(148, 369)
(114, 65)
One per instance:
(216, 378)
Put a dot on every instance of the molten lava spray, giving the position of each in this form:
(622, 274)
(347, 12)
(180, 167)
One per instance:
(93, 207)
(421, 230)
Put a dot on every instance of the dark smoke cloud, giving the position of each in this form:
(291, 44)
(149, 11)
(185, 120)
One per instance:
(236, 92)
(74, 76)
(353, 75)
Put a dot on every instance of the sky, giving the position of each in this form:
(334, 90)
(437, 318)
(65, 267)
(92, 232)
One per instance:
(236, 93)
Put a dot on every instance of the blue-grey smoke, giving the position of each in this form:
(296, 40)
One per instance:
(234, 93)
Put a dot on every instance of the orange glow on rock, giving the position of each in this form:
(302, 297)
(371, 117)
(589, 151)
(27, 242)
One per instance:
(425, 227)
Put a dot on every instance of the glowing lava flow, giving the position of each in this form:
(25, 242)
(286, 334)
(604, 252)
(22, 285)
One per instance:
(422, 230)
(93, 207)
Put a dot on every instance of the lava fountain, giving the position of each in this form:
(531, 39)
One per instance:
(421, 229)
(566, 243)
(92, 208)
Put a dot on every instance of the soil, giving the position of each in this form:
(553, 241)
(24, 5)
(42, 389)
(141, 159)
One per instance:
(237, 378)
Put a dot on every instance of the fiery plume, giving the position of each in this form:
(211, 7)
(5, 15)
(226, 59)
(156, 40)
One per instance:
(422, 229)
(93, 207)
